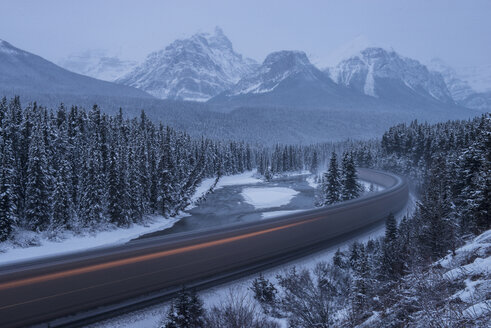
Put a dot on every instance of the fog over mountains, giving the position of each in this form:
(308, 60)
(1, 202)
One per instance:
(202, 85)
(25, 73)
(99, 64)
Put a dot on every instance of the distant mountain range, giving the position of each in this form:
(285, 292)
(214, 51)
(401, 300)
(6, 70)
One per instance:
(287, 79)
(205, 67)
(461, 90)
(24, 73)
(99, 64)
(284, 99)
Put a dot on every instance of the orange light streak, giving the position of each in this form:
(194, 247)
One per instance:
(141, 258)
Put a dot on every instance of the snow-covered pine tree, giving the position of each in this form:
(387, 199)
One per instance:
(331, 184)
(166, 180)
(7, 192)
(38, 200)
(314, 164)
(350, 188)
(114, 193)
(391, 264)
(186, 311)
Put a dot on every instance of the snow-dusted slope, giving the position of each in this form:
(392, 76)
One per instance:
(459, 89)
(98, 64)
(478, 77)
(380, 73)
(23, 73)
(278, 67)
(285, 78)
(197, 68)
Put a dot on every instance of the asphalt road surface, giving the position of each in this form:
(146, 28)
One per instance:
(42, 290)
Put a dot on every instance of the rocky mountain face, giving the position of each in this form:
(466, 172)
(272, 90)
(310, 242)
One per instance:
(24, 73)
(384, 74)
(458, 88)
(461, 90)
(196, 69)
(285, 78)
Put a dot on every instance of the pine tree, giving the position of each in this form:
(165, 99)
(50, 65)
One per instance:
(114, 193)
(314, 165)
(331, 182)
(7, 192)
(62, 202)
(186, 311)
(38, 201)
(350, 188)
(390, 261)
(264, 292)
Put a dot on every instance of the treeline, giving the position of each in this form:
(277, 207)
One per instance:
(391, 281)
(382, 276)
(72, 169)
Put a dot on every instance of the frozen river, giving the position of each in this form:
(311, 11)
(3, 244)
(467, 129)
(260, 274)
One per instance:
(246, 203)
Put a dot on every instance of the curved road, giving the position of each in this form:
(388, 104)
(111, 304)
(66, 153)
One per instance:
(90, 283)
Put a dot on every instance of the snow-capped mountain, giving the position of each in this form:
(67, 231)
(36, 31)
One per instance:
(385, 74)
(24, 73)
(197, 68)
(459, 89)
(98, 64)
(285, 78)
(478, 77)
(278, 67)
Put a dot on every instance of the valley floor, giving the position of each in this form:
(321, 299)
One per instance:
(152, 316)
(27, 245)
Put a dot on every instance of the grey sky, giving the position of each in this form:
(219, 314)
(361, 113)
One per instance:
(457, 31)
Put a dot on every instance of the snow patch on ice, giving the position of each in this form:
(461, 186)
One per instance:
(268, 197)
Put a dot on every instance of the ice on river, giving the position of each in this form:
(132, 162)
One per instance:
(268, 197)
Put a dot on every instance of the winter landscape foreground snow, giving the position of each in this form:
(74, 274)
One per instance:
(27, 245)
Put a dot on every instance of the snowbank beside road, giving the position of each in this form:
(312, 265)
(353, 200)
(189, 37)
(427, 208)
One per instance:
(27, 245)
(41, 245)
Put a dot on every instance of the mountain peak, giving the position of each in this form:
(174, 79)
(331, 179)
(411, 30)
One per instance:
(291, 57)
(9, 49)
(379, 72)
(279, 69)
(219, 33)
(196, 68)
(459, 89)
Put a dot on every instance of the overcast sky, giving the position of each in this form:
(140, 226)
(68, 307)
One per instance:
(457, 31)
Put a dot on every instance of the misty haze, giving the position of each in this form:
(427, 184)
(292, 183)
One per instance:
(259, 164)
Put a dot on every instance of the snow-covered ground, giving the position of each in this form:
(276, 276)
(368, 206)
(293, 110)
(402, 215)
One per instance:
(152, 316)
(262, 198)
(471, 264)
(28, 245)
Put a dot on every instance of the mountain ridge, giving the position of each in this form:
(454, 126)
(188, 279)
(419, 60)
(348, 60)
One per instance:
(196, 68)
(25, 73)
